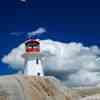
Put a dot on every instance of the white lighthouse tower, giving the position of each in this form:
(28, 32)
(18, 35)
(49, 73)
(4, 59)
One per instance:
(33, 65)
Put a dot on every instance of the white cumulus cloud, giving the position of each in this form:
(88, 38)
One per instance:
(75, 63)
(38, 31)
(23, 0)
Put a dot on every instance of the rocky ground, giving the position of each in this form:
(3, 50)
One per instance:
(43, 88)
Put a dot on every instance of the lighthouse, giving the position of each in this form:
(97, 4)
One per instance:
(32, 56)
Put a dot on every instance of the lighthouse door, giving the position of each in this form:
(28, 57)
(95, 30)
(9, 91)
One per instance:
(38, 74)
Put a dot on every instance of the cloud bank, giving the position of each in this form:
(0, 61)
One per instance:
(74, 63)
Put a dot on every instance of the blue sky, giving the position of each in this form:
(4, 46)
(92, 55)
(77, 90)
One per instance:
(65, 21)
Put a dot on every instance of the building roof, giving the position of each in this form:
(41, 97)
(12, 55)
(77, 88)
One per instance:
(32, 42)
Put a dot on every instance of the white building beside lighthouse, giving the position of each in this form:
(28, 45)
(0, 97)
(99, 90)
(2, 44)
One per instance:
(33, 65)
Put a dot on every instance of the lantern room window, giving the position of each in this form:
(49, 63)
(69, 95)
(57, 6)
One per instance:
(32, 46)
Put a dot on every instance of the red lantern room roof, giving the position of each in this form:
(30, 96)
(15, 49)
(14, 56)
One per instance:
(32, 42)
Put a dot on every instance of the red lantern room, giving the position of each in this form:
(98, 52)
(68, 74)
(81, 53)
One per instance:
(32, 46)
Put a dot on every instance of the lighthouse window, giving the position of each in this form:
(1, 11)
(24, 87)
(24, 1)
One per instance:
(37, 61)
(28, 45)
(32, 44)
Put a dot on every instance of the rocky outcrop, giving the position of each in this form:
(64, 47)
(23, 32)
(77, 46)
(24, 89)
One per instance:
(93, 97)
(34, 88)
(43, 88)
